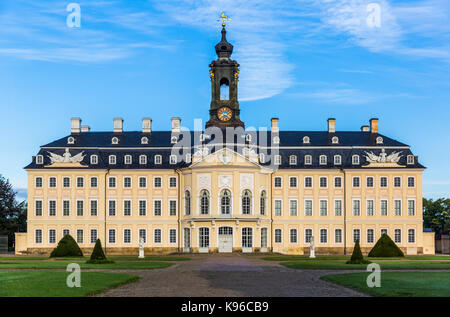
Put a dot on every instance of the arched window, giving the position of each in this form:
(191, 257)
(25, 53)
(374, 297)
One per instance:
(323, 160)
(246, 202)
(128, 159)
(379, 140)
(144, 140)
(71, 140)
(143, 159)
(262, 203)
(308, 159)
(293, 159)
(187, 202)
(225, 202)
(112, 159)
(306, 140)
(337, 160)
(335, 140)
(204, 202)
(224, 89)
(115, 140)
(174, 139)
(94, 159)
(355, 159)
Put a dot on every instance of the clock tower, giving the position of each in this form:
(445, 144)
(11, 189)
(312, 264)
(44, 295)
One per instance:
(224, 72)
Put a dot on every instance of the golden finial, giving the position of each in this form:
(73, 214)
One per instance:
(224, 19)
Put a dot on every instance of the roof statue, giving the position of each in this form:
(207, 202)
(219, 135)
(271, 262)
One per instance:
(66, 157)
(394, 157)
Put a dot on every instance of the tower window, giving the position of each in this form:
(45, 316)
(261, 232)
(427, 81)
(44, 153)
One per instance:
(224, 89)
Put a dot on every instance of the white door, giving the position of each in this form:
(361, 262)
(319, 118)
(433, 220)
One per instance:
(263, 239)
(203, 246)
(187, 240)
(225, 239)
(247, 240)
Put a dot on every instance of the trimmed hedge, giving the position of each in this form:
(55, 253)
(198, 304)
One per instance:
(98, 256)
(357, 257)
(385, 247)
(67, 246)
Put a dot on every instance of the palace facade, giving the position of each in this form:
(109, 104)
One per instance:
(226, 188)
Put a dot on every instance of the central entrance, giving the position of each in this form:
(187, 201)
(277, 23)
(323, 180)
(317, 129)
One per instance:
(226, 239)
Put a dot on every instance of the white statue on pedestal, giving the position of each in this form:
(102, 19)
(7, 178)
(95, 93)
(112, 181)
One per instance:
(141, 248)
(311, 248)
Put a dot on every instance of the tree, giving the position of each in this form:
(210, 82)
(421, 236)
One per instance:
(385, 247)
(67, 246)
(357, 257)
(13, 215)
(98, 256)
(436, 214)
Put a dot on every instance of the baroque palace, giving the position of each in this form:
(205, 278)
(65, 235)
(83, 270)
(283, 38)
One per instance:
(226, 188)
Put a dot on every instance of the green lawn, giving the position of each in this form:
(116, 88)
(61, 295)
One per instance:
(62, 264)
(327, 258)
(53, 284)
(398, 284)
(384, 264)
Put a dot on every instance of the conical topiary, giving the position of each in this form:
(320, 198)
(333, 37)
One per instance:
(357, 257)
(67, 246)
(385, 247)
(98, 256)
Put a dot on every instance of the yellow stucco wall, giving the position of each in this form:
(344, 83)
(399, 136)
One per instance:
(429, 243)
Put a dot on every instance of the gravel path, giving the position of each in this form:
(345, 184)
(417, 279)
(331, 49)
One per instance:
(230, 276)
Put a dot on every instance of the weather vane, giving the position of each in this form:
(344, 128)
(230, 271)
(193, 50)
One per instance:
(224, 19)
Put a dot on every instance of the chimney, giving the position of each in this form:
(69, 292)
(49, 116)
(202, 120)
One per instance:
(146, 125)
(76, 125)
(365, 128)
(331, 125)
(85, 128)
(118, 125)
(374, 125)
(176, 122)
(274, 127)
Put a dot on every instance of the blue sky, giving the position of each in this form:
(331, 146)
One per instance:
(301, 60)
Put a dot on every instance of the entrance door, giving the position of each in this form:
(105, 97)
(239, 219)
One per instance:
(247, 240)
(203, 246)
(263, 239)
(187, 240)
(225, 239)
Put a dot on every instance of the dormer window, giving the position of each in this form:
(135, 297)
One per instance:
(248, 138)
(142, 159)
(335, 140)
(410, 159)
(188, 158)
(277, 159)
(40, 159)
(323, 160)
(337, 160)
(94, 159)
(115, 140)
(112, 159)
(70, 140)
(174, 139)
(158, 159)
(144, 140)
(173, 159)
(308, 159)
(202, 137)
(262, 158)
(276, 140)
(379, 140)
(293, 159)
(355, 159)
(306, 140)
(128, 159)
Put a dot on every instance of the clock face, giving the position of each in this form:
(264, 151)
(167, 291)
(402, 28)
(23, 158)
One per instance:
(224, 113)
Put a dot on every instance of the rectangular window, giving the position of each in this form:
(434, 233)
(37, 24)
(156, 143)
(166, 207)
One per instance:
(411, 182)
(397, 182)
(338, 207)
(323, 206)
(66, 208)
(278, 236)
(172, 207)
(293, 182)
(323, 236)
(398, 235)
(112, 182)
(370, 210)
(66, 182)
(80, 182)
(38, 236)
(94, 208)
(172, 182)
(93, 235)
(127, 207)
(80, 207)
(356, 207)
(293, 207)
(94, 182)
(172, 236)
(383, 182)
(126, 235)
(52, 207)
(157, 236)
(370, 236)
(38, 182)
(308, 207)
(369, 182)
(157, 182)
(323, 182)
(143, 235)
(52, 236)
(79, 235)
(38, 207)
(112, 207)
(308, 182)
(338, 182)
(384, 231)
(338, 236)
(157, 207)
(355, 182)
(112, 235)
(411, 207)
(411, 236)
(142, 207)
(52, 182)
(356, 235)
(384, 207)
(293, 235)
(308, 235)
(142, 182)
(278, 204)
(277, 182)
(127, 182)
(397, 207)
